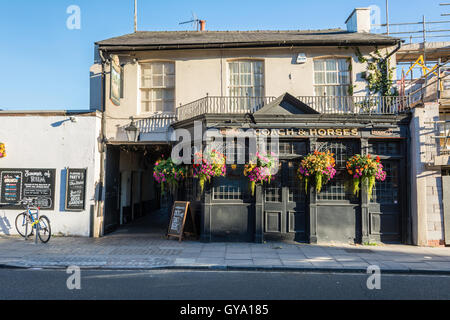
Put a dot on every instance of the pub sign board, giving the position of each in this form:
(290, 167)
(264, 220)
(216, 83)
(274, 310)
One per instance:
(18, 184)
(75, 189)
(180, 210)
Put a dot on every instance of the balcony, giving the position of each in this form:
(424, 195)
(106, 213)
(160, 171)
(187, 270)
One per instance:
(325, 105)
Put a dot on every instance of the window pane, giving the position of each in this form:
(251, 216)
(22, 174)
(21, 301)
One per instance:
(146, 82)
(157, 68)
(343, 65)
(146, 95)
(331, 77)
(331, 65)
(258, 92)
(330, 90)
(234, 80)
(168, 106)
(319, 78)
(158, 106)
(245, 67)
(169, 81)
(169, 68)
(319, 91)
(258, 67)
(258, 80)
(319, 65)
(344, 78)
(146, 106)
(246, 80)
(157, 81)
(157, 94)
(146, 70)
(234, 67)
(168, 94)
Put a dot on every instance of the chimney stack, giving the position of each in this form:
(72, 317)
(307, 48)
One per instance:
(202, 25)
(359, 20)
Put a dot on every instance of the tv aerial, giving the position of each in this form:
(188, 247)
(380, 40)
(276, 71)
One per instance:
(195, 22)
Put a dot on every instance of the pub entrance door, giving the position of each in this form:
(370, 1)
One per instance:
(285, 200)
(385, 206)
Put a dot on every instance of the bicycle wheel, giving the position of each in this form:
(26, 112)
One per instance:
(21, 225)
(44, 231)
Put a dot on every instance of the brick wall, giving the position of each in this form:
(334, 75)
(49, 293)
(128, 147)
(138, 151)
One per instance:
(426, 200)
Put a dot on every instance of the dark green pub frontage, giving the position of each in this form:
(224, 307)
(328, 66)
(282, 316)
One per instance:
(282, 210)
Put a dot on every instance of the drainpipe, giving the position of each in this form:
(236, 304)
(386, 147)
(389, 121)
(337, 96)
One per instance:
(100, 200)
(399, 45)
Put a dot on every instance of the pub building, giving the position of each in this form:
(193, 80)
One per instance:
(307, 88)
(282, 209)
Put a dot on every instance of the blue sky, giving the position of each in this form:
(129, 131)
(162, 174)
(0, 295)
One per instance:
(46, 66)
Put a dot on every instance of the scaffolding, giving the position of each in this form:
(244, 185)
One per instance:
(417, 36)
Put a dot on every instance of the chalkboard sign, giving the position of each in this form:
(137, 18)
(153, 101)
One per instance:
(180, 211)
(76, 189)
(17, 184)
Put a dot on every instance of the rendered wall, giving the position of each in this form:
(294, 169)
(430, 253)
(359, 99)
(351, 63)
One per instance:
(202, 72)
(53, 142)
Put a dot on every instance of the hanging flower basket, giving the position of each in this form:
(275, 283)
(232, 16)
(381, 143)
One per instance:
(2, 150)
(166, 172)
(367, 170)
(207, 165)
(261, 169)
(317, 165)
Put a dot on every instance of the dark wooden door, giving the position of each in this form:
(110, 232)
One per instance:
(112, 189)
(285, 205)
(385, 207)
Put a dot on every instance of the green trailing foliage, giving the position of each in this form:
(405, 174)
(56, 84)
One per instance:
(379, 74)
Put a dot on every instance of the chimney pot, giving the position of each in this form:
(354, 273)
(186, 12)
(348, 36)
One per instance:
(202, 25)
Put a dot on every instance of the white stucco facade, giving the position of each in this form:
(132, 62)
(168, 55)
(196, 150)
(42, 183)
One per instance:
(51, 140)
(199, 73)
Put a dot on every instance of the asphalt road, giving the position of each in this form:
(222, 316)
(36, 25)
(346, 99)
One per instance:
(220, 285)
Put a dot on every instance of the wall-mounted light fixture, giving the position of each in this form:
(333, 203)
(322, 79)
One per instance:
(132, 131)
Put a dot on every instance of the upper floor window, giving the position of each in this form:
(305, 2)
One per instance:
(331, 77)
(246, 78)
(158, 87)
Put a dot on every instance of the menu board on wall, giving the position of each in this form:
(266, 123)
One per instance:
(17, 184)
(76, 189)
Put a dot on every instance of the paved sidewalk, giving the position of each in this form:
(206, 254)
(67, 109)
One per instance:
(130, 251)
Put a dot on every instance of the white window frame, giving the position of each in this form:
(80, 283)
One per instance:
(252, 85)
(142, 89)
(344, 86)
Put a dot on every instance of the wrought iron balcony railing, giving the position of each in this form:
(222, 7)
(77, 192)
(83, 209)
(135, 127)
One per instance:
(326, 104)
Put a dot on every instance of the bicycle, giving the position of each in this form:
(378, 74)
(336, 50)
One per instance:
(30, 220)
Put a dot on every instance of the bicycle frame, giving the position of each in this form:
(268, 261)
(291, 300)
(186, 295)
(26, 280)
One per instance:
(34, 222)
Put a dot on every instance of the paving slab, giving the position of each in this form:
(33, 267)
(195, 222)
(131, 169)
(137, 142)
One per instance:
(266, 262)
(239, 262)
(143, 252)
